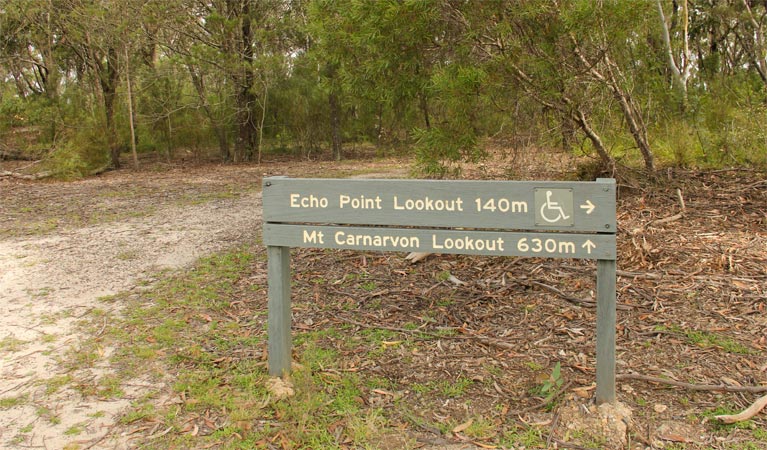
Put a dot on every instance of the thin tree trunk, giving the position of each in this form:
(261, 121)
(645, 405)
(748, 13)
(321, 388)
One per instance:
(169, 151)
(130, 110)
(425, 110)
(633, 118)
(679, 72)
(247, 138)
(335, 124)
(108, 76)
(567, 107)
(760, 53)
(379, 124)
(199, 86)
(596, 141)
(263, 118)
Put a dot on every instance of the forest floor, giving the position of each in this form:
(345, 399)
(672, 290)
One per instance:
(114, 334)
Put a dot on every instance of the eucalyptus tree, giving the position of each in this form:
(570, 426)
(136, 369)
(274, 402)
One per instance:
(31, 48)
(378, 56)
(232, 39)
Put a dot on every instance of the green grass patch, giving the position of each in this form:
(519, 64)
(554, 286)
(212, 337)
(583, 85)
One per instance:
(707, 339)
(54, 384)
(74, 430)
(528, 437)
(12, 401)
(11, 344)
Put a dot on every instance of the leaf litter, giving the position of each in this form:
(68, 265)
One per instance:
(442, 358)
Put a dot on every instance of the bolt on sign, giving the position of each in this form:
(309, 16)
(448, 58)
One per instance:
(549, 219)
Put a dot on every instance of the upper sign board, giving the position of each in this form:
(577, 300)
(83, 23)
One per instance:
(492, 205)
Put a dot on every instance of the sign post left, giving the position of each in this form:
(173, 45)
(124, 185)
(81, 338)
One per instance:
(278, 267)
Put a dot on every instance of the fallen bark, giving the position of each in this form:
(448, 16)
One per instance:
(747, 413)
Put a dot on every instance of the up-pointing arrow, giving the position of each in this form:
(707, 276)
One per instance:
(589, 246)
(588, 206)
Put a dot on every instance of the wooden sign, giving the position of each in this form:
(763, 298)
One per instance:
(550, 219)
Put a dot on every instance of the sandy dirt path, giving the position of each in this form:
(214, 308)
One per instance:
(50, 280)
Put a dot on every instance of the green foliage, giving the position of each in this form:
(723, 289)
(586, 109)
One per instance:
(458, 96)
(292, 77)
(550, 387)
(81, 152)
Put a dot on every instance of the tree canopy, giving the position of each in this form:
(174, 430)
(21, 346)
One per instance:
(643, 84)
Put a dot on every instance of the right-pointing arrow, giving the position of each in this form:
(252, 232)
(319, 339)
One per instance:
(589, 246)
(588, 206)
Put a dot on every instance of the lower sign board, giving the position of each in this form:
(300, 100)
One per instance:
(490, 243)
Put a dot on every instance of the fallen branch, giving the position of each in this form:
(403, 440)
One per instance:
(35, 176)
(690, 386)
(747, 413)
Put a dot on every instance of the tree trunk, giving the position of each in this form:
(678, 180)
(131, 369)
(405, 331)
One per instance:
(218, 128)
(263, 119)
(109, 112)
(108, 77)
(637, 128)
(247, 136)
(580, 118)
(568, 133)
(335, 124)
(633, 117)
(759, 52)
(425, 110)
(680, 72)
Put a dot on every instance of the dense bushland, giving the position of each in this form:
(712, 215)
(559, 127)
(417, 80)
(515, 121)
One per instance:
(88, 85)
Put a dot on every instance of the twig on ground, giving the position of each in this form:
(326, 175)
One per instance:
(18, 386)
(669, 219)
(575, 300)
(384, 327)
(563, 444)
(690, 386)
(98, 440)
(552, 430)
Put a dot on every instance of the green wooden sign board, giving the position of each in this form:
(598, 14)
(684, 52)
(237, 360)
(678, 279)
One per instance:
(551, 219)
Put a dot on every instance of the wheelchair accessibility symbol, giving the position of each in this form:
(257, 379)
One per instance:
(554, 207)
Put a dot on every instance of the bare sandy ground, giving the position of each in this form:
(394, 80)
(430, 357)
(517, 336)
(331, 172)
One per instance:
(48, 282)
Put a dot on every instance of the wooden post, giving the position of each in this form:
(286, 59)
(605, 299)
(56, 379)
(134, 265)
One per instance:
(606, 316)
(278, 266)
